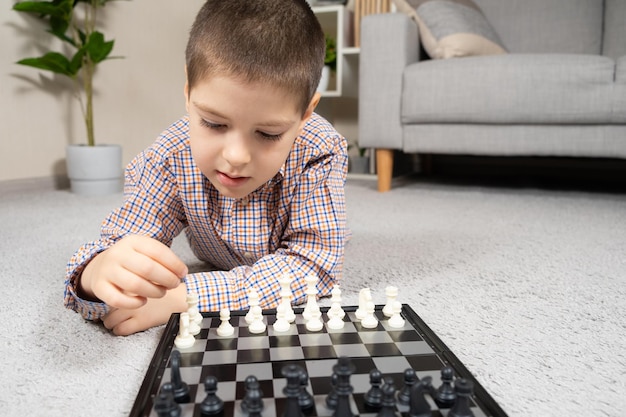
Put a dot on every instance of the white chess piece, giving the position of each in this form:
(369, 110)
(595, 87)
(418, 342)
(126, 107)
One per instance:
(184, 339)
(369, 321)
(192, 308)
(311, 301)
(257, 325)
(285, 302)
(396, 321)
(281, 325)
(253, 300)
(315, 324)
(392, 293)
(335, 304)
(365, 295)
(335, 322)
(225, 328)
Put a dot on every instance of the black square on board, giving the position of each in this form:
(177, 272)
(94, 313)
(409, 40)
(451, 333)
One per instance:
(253, 356)
(287, 340)
(318, 352)
(425, 362)
(223, 372)
(383, 349)
(405, 336)
(221, 344)
(344, 338)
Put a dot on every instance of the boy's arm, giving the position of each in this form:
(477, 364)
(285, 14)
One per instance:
(150, 209)
(312, 243)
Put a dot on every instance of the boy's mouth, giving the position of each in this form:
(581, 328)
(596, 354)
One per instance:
(230, 180)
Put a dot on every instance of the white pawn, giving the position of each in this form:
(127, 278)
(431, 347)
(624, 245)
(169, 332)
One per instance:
(258, 325)
(335, 322)
(396, 321)
(184, 339)
(225, 328)
(314, 324)
(192, 308)
(281, 325)
(369, 321)
(253, 300)
(392, 293)
(311, 301)
(335, 304)
(365, 295)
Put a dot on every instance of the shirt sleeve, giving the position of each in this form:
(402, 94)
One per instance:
(312, 243)
(151, 208)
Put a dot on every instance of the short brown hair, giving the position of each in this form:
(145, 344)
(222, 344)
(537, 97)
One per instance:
(276, 41)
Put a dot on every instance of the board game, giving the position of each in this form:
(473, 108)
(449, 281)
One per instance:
(232, 359)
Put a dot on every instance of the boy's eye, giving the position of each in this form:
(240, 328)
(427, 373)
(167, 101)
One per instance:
(270, 136)
(211, 125)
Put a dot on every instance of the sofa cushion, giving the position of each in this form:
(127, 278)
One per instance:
(614, 44)
(452, 28)
(550, 26)
(512, 88)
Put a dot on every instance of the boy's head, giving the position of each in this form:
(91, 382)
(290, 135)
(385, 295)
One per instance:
(279, 42)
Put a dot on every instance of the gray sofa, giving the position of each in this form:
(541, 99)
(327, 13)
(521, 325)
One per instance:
(559, 91)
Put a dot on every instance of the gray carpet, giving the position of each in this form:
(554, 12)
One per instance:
(526, 286)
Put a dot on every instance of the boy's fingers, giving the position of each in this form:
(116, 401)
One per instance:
(164, 256)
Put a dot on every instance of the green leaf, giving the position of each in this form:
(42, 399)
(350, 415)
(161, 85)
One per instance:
(52, 61)
(59, 9)
(97, 48)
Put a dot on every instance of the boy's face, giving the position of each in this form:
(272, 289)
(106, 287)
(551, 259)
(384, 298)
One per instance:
(241, 133)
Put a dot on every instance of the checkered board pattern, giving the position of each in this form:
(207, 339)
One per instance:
(231, 359)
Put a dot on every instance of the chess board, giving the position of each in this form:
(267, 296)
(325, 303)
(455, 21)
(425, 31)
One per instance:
(231, 359)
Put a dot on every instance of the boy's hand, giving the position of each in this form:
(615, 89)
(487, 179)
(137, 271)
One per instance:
(131, 271)
(155, 312)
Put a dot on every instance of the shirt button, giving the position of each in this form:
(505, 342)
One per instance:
(245, 201)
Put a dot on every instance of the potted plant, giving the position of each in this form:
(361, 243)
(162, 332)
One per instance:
(92, 169)
(359, 163)
(330, 62)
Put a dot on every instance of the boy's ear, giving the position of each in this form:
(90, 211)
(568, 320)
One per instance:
(186, 91)
(312, 105)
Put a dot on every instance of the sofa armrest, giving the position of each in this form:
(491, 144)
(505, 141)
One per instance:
(389, 42)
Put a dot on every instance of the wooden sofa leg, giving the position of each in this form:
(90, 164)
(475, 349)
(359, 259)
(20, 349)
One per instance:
(384, 168)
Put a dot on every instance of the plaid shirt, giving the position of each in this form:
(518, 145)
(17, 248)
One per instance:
(295, 223)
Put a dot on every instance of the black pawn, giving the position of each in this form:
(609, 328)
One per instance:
(212, 404)
(255, 403)
(164, 404)
(445, 395)
(410, 378)
(374, 397)
(181, 389)
(344, 369)
(292, 390)
(418, 406)
(388, 408)
(464, 390)
(305, 399)
(253, 391)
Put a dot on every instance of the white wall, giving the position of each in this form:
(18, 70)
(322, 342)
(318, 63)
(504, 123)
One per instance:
(137, 97)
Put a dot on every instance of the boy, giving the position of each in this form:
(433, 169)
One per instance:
(251, 173)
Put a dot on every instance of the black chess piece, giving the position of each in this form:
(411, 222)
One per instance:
(388, 407)
(464, 390)
(418, 406)
(253, 390)
(305, 399)
(211, 405)
(331, 398)
(255, 403)
(445, 395)
(164, 404)
(292, 390)
(181, 389)
(344, 369)
(374, 396)
(410, 378)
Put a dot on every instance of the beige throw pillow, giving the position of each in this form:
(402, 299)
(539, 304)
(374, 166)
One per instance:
(452, 28)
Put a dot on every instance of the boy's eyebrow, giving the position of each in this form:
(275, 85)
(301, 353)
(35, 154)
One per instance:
(268, 123)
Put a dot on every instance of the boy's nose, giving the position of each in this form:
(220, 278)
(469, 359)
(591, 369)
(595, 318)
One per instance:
(236, 151)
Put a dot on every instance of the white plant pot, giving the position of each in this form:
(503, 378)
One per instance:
(94, 170)
(325, 80)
